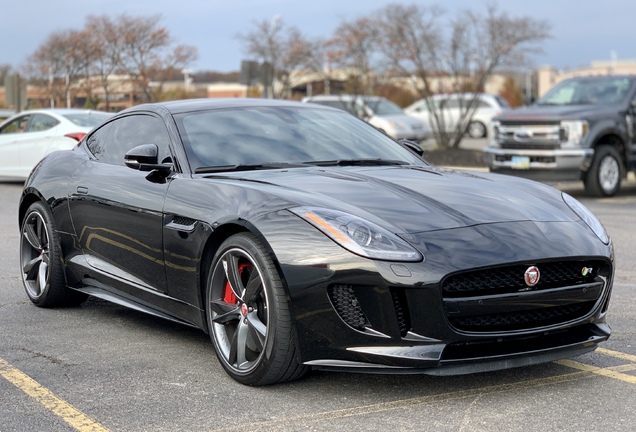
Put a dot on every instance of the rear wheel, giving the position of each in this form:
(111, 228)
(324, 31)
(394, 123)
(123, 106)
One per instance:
(248, 315)
(41, 261)
(606, 172)
(476, 129)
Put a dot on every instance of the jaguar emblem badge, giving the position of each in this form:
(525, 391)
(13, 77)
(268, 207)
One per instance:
(532, 276)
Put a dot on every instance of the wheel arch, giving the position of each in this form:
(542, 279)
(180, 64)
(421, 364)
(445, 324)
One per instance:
(615, 141)
(215, 240)
(28, 198)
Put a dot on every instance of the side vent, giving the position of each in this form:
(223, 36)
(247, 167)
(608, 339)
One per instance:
(347, 306)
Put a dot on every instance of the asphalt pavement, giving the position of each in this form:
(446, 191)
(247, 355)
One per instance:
(102, 367)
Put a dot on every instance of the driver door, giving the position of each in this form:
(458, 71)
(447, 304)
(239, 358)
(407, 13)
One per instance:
(117, 211)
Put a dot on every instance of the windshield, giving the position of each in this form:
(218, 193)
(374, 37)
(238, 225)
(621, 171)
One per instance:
(384, 107)
(88, 119)
(600, 90)
(294, 135)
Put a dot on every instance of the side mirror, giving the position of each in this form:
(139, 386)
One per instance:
(412, 146)
(145, 158)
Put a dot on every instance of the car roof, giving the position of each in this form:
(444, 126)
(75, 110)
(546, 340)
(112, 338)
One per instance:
(190, 105)
(59, 111)
(341, 97)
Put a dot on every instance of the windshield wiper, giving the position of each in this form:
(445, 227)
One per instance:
(247, 167)
(357, 162)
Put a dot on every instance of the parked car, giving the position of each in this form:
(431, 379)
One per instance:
(379, 112)
(299, 237)
(451, 108)
(28, 136)
(6, 113)
(582, 129)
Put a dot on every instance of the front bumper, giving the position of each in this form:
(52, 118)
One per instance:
(483, 356)
(373, 316)
(547, 165)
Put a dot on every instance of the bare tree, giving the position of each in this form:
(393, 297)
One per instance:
(107, 39)
(455, 55)
(61, 61)
(281, 49)
(354, 49)
(148, 50)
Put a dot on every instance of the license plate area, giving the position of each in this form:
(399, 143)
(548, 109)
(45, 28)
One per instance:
(520, 162)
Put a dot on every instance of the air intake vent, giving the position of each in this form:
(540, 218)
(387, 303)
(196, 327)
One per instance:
(347, 306)
(401, 310)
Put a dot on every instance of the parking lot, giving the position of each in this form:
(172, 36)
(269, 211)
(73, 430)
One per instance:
(105, 367)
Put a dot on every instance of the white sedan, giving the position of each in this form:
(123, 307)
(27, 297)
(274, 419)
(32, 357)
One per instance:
(28, 136)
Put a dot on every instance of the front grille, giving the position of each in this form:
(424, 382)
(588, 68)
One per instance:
(510, 279)
(498, 299)
(522, 319)
(529, 146)
(347, 306)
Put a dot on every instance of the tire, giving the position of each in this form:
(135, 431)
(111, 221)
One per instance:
(605, 175)
(248, 315)
(41, 261)
(476, 129)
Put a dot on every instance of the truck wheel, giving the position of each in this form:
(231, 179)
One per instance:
(606, 172)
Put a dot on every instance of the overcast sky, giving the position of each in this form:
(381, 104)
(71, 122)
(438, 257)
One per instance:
(582, 30)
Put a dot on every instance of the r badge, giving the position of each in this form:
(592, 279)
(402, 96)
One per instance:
(532, 276)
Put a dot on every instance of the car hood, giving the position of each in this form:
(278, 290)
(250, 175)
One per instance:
(556, 112)
(414, 199)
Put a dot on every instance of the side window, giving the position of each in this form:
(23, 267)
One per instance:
(16, 126)
(42, 122)
(96, 141)
(450, 104)
(110, 143)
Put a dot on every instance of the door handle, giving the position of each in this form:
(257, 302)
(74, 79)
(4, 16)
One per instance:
(81, 190)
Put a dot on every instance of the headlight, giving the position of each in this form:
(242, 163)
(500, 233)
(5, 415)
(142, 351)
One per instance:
(496, 128)
(571, 133)
(587, 216)
(358, 235)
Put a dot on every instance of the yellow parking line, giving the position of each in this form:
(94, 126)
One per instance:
(607, 372)
(583, 373)
(57, 406)
(297, 421)
(617, 354)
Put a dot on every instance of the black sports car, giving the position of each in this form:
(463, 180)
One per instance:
(300, 237)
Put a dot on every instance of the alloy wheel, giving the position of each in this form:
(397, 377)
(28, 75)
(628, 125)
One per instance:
(239, 310)
(35, 255)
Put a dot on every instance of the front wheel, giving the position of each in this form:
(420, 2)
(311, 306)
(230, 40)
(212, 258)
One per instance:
(248, 315)
(606, 172)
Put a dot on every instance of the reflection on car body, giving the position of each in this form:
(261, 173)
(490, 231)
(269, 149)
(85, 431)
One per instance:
(299, 237)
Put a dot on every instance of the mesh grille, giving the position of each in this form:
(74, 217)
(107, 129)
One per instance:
(522, 319)
(511, 279)
(346, 303)
(180, 220)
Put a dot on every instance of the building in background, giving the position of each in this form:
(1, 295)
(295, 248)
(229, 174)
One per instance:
(548, 76)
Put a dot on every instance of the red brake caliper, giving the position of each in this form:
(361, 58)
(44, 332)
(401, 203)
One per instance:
(228, 295)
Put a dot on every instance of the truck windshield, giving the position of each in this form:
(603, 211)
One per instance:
(582, 91)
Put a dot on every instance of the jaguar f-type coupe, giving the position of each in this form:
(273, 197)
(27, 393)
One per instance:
(299, 237)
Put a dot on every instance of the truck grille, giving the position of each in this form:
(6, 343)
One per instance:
(529, 136)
